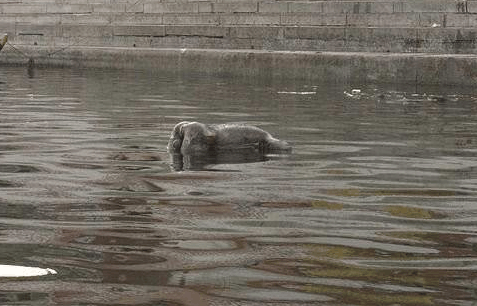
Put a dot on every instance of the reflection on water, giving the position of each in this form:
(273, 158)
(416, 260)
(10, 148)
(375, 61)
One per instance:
(375, 206)
(205, 161)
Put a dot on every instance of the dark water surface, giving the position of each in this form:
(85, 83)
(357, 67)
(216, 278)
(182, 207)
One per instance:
(377, 205)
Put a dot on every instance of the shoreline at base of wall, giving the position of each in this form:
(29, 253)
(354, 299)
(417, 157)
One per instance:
(346, 67)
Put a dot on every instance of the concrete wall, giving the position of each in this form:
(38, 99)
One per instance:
(327, 36)
(316, 67)
(437, 26)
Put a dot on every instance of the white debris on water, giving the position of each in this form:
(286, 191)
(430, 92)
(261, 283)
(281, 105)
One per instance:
(298, 92)
(21, 271)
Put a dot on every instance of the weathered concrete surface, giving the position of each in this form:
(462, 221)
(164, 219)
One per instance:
(327, 36)
(349, 67)
(437, 26)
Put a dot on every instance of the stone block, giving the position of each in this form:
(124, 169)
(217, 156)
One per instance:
(129, 41)
(69, 8)
(139, 30)
(273, 7)
(109, 8)
(334, 7)
(76, 2)
(184, 42)
(310, 19)
(31, 40)
(400, 20)
(137, 19)
(358, 7)
(203, 31)
(315, 33)
(451, 40)
(314, 45)
(382, 39)
(305, 7)
(378, 8)
(179, 1)
(32, 1)
(22, 9)
(7, 26)
(472, 6)
(449, 35)
(46, 19)
(136, 7)
(236, 7)
(399, 7)
(472, 20)
(258, 32)
(9, 19)
(362, 20)
(454, 20)
(86, 31)
(250, 19)
(114, 1)
(423, 6)
(190, 19)
(383, 35)
(244, 43)
(73, 19)
(44, 30)
(384, 20)
(179, 7)
(432, 20)
(206, 7)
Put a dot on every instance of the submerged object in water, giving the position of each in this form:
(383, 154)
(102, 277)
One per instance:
(194, 145)
(195, 137)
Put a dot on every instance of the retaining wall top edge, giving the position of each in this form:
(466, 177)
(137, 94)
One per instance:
(157, 51)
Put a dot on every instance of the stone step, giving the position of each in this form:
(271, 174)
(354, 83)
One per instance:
(236, 6)
(395, 26)
(437, 40)
(293, 19)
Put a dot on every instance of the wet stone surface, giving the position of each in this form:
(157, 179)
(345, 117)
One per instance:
(376, 205)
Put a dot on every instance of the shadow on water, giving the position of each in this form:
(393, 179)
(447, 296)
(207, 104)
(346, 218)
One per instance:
(376, 205)
(205, 161)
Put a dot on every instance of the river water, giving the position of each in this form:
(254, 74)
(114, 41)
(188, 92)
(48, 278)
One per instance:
(376, 205)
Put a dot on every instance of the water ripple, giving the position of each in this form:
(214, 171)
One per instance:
(375, 206)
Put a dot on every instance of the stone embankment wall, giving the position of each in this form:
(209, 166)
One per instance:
(414, 41)
(438, 26)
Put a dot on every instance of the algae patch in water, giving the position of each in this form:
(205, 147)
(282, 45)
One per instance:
(412, 212)
(370, 297)
(450, 245)
(339, 252)
(355, 192)
(318, 204)
(350, 192)
(339, 172)
(327, 205)
(348, 272)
